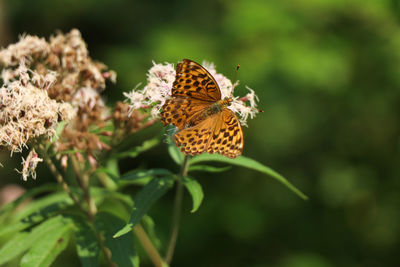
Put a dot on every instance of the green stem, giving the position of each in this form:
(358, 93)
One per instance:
(83, 180)
(90, 212)
(148, 246)
(176, 214)
(57, 175)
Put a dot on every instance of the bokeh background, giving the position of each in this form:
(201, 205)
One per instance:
(327, 73)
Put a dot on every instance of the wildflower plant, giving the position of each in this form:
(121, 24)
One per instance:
(51, 107)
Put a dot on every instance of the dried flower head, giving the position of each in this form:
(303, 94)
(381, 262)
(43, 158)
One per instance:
(45, 83)
(27, 112)
(159, 85)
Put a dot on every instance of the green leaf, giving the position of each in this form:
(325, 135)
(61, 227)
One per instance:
(13, 247)
(134, 152)
(24, 240)
(37, 211)
(251, 164)
(87, 246)
(109, 175)
(48, 246)
(122, 249)
(174, 152)
(207, 168)
(145, 199)
(99, 194)
(195, 191)
(10, 207)
(139, 174)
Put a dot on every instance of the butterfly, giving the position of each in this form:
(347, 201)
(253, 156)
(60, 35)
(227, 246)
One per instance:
(205, 122)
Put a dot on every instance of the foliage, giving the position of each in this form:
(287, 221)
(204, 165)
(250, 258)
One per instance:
(327, 77)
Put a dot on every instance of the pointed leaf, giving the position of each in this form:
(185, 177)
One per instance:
(251, 164)
(149, 194)
(122, 249)
(195, 190)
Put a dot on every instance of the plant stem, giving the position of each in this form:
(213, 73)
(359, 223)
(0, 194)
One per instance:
(90, 213)
(58, 176)
(83, 180)
(148, 246)
(176, 214)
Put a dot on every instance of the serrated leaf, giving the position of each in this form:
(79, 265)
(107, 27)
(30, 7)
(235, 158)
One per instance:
(195, 190)
(208, 168)
(87, 246)
(122, 249)
(46, 248)
(37, 211)
(251, 164)
(134, 152)
(144, 200)
(24, 240)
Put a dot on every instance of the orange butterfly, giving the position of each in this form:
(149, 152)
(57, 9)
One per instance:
(205, 123)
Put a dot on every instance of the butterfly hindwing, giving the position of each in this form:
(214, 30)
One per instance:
(220, 133)
(194, 81)
(194, 140)
(227, 138)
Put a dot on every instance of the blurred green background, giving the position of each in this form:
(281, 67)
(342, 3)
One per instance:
(327, 73)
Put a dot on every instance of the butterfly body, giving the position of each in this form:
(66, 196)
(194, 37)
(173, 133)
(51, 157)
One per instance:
(217, 107)
(205, 122)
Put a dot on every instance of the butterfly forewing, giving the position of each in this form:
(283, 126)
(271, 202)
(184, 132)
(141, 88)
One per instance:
(178, 110)
(192, 80)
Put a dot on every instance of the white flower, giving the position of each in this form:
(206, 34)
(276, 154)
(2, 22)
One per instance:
(136, 98)
(158, 89)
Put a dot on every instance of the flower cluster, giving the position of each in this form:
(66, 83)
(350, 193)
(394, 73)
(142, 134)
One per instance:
(159, 85)
(158, 89)
(45, 83)
(26, 110)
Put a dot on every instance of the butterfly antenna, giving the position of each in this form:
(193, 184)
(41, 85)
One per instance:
(236, 74)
